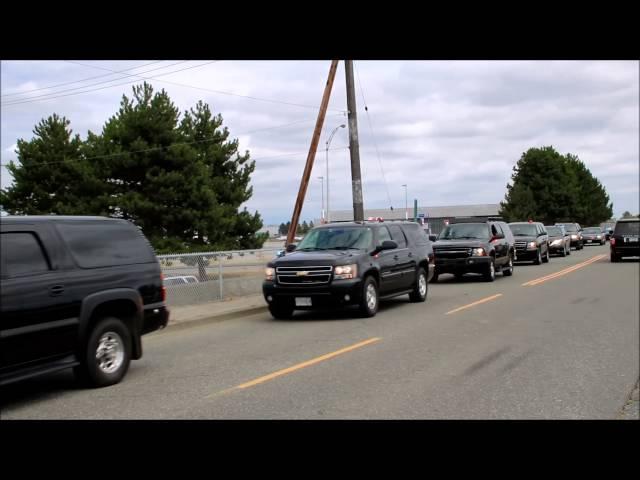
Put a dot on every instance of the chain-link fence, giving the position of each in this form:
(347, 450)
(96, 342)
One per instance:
(192, 278)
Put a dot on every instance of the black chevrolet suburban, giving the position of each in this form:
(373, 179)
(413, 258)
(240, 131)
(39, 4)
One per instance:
(76, 292)
(351, 263)
(625, 239)
(474, 246)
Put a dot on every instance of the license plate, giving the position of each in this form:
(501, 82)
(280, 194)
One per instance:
(303, 301)
(632, 239)
(589, 241)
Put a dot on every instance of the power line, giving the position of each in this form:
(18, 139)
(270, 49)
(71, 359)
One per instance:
(79, 81)
(152, 149)
(37, 99)
(375, 143)
(220, 91)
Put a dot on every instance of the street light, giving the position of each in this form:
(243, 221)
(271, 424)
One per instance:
(322, 214)
(327, 150)
(406, 211)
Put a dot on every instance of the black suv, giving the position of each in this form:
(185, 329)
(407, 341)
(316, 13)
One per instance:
(351, 263)
(625, 241)
(473, 246)
(575, 232)
(76, 292)
(532, 241)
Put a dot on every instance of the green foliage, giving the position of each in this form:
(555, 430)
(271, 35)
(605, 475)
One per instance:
(549, 187)
(181, 180)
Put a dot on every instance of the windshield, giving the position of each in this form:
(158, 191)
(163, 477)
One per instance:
(477, 231)
(627, 228)
(340, 238)
(592, 230)
(570, 227)
(554, 231)
(523, 229)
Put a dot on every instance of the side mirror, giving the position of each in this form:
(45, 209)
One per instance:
(496, 237)
(433, 238)
(291, 247)
(386, 245)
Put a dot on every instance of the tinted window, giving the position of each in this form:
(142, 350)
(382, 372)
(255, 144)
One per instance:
(398, 236)
(570, 227)
(627, 228)
(101, 244)
(469, 231)
(592, 230)
(339, 238)
(523, 229)
(416, 234)
(554, 231)
(22, 254)
(383, 234)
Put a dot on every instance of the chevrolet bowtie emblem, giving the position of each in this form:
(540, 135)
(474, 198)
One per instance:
(301, 274)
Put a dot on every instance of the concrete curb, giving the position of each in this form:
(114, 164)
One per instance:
(213, 319)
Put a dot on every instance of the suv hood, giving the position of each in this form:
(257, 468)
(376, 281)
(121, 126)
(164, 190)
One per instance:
(319, 258)
(526, 238)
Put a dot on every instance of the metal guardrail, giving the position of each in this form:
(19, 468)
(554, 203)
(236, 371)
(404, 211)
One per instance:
(193, 278)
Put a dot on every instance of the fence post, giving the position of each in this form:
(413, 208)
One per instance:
(220, 275)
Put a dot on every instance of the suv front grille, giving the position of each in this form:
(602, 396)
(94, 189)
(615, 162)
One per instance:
(521, 245)
(452, 252)
(304, 275)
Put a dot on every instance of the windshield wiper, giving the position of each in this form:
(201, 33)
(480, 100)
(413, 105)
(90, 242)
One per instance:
(345, 248)
(308, 249)
(465, 238)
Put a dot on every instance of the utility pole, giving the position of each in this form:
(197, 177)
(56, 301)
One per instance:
(354, 149)
(304, 183)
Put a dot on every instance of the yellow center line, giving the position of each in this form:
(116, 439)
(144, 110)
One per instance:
(565, 271)
(488, 299)
(299, 366)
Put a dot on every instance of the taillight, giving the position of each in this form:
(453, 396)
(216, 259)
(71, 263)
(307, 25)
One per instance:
(163, 290)
(613, 241)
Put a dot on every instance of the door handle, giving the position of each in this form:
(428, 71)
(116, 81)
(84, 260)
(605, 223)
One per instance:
(56, 290)
(395, 257)
(410, 254)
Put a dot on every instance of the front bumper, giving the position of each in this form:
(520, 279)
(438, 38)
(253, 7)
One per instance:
(626, 250)
(527, 255)
(593, 241)
(329, 295)
(462, 265)
(575, 243)
(556, 248)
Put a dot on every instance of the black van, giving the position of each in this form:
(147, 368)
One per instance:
(76, 292)
(625, 241)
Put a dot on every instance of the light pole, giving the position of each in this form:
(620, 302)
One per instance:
(322, 211)
(327, 150)
(406, 212)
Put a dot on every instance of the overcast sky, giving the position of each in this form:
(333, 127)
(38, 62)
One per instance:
(451, 131)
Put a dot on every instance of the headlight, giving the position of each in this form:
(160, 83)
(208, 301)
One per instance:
(598, 237)
(532, 245)
(574, 237)
(556, 242)
(269, 273)
(478, 252)
(346, 272)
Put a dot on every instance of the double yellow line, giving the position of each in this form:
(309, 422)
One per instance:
(538, 281)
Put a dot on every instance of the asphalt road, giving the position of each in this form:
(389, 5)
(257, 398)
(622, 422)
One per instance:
(562, 347)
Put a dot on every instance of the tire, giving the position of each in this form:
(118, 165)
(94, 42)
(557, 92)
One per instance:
(490, 273)
(281, 310)
(434, 279)
(538, 259)
(614, 258)
(564, 252)
(569, 250)
(369, 299)
(458, 276)
(508, 271)
(421, 288)
(545, 259)
(107, 354)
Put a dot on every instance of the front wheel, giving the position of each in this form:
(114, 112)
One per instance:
(434, 279)
(106, 355)
(508, 271)
(490, 273)
(369, 301)
(419, 293)
(545, 259)
(538, 259)
(614, 257)
(281, 310)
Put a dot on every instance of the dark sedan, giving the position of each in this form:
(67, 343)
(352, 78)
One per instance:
(592, 236)
(532, 241)
(559, 240)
